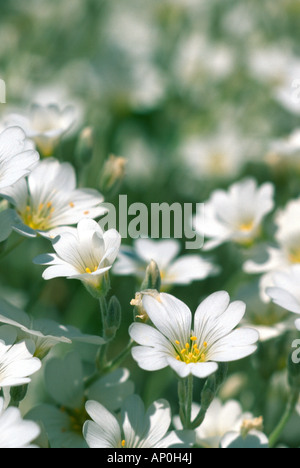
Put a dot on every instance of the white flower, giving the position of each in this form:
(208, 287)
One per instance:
(220, 155)
(49, 200)
(137, 429)
(17, 157)
(173, 270)
(85, 253)
(286, 290)
(236, 215)
(14, 431)
(16, 359)
(287, 251)
(191, 348)
(44, 124)
(219, 419)
(289, 146)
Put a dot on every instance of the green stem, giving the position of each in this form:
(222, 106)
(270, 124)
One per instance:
(109, 367)
(189, 400)
(182, 401)
(291, 405)
(115, 363)
(12, 248)
(101, 355)
(199, 419)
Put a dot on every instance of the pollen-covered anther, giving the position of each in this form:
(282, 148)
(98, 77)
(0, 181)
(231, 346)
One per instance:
(123, 443)
(191, 352)
(88, 270)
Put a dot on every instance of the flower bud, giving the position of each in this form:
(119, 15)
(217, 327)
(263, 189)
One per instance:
(113, 318)
(113, 174)
(18, 394)
(152, 278)
(84, 147)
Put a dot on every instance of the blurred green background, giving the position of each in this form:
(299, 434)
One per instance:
(160, 82)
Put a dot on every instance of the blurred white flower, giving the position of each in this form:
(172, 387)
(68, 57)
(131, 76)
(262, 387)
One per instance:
(49, 200)
(221, 155)
(236, 215)
(16, 359)
(286, 290)
(287, 251)
(173, 270)
(15, 432)
(272, 64)
(17, 156)
(138, 429)
(196, 58)
(220, 419)
(285, 152)
(191, 348)
(85, 253)
(289, 146)
(44, 124)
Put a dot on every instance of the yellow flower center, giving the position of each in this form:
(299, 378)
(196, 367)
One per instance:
(246, 227)
(88, 270)
(294, 256)
(123, 443)
(38, 218)
(190, 352)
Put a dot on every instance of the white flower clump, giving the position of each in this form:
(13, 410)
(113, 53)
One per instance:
(45, 125)
(191, 348)
(138, 429)
(173, 269)
(236, 215)
(49, 200)
(17, 156)
(17, 362)
(15, 432)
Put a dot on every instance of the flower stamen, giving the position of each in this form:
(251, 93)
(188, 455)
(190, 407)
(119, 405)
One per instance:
(191, 352)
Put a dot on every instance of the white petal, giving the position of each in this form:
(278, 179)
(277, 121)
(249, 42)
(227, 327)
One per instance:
(105, 431)
(170, 316)
(284, 299)
(149, 359)
(201, 369)
(162, 252)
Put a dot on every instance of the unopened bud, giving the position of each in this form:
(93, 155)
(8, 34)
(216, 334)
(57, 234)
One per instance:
(113, 174)
(221, 373)
(208, 393)
(85, 147)
(152, 277)
(113, 318)
(18, 394)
